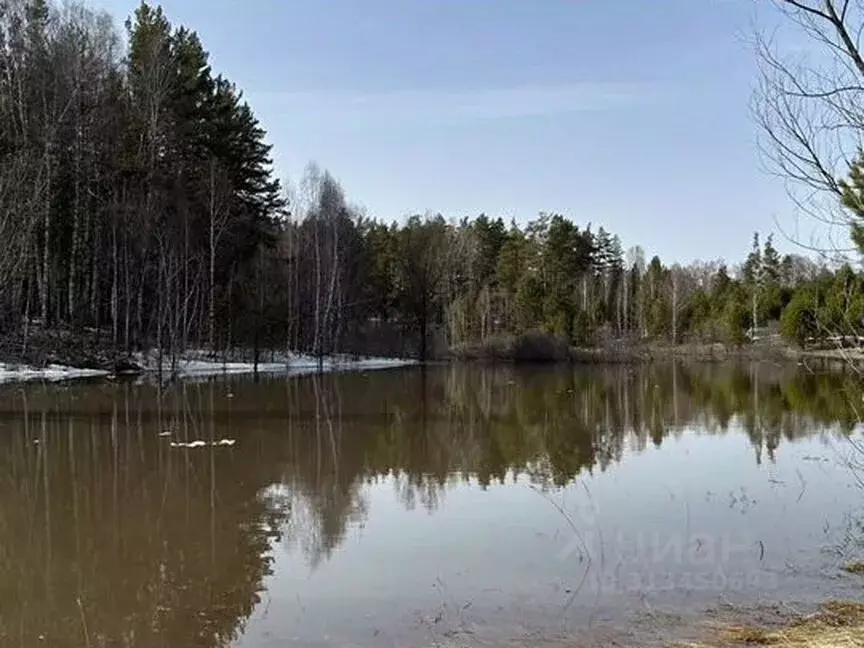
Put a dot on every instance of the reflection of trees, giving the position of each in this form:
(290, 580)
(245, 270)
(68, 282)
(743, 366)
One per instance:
(109, 537)
(159, 545)
(430, 429)
(324, 491)
(553, 424)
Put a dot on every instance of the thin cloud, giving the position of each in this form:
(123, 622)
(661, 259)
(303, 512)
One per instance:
(435, 106)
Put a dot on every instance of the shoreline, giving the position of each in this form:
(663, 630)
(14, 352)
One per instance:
(830, 624)
(192, 367)
(60, 355)
(834, 624)
(652, 352)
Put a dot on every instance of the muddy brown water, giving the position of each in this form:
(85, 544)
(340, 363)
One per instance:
(448, 506)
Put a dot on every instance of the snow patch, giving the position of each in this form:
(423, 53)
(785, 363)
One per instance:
(202, 444)
(51, 373)
(200, 364)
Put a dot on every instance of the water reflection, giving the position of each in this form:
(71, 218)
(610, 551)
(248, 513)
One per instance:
(111, 537)
(429, 430)
(108, 537)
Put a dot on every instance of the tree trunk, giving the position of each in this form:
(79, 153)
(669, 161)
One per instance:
(76, 216)
(585, 292)
(755, 323)
(184, 338)
(316, 344)
(259, 306)
(627, 302)
(26, 323)
(674, 307)
(214, 209)
(159, 310)
(127, 294)
(46, 241)
(211, 310)
(423, 326)
(115, 279)
(334, 271)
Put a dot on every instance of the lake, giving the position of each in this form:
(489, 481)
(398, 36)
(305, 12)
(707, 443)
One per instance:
(456, 505)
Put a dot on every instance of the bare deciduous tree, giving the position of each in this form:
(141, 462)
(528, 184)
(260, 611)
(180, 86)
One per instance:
(809, 102)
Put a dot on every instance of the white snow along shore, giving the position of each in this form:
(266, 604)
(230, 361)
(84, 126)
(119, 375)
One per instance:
(196, 365)
(50, 373)
(199, 364)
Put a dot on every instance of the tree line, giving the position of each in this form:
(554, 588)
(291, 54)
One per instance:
(139, 204)
(465, 282)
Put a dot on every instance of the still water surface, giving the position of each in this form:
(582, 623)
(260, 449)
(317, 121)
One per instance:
(408, 507)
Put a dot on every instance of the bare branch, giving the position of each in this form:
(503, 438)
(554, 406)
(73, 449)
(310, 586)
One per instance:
(804, 7)
(809, 105)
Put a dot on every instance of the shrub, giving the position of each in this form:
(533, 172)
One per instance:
(533, 346)
(798, 322)
(536, 346)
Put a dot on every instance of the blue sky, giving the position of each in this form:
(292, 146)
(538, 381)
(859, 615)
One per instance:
(631, 114)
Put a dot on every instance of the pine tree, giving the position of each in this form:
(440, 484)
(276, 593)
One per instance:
(852, 190)
(771, 262)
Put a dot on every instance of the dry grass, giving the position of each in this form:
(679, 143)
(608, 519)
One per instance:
(839, 624)
(856, 567)
(748, 635)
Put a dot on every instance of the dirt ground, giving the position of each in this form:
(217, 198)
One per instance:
(837, 624)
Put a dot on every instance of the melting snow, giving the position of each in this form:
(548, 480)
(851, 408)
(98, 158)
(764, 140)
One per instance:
(200, 364)
(202, 444)
(53, 373)
(197, 364)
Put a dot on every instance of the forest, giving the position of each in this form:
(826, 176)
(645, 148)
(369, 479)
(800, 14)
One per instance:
(139, 206)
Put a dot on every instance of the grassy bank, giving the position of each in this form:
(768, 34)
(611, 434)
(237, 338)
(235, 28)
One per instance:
(856, 567)
(543, 347)
(838, 624)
